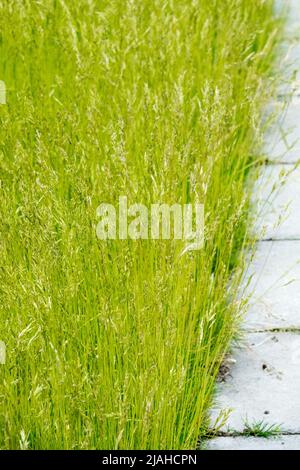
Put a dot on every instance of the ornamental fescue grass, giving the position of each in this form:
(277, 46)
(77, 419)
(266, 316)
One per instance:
(116, 344)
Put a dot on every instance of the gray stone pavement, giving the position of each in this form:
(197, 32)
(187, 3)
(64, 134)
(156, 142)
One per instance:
(277, 199)
(281, 142)
(254, 443)
(263, 384)
(274, 287)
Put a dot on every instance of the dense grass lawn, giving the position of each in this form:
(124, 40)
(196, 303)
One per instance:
(116, 344)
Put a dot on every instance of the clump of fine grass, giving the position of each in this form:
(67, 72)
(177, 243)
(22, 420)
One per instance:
(261, 429)
(117, 344)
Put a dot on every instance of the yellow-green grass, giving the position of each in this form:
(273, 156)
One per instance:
(117, 344)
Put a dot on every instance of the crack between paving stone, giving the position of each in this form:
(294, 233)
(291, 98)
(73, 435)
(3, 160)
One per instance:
(244, 434)
(290, 329)
(279, 163)
(271, 239)
(285, 96)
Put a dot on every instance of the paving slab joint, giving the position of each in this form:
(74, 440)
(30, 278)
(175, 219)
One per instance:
(245, 434)
(273, 239)
(287, 329)
(268, 162)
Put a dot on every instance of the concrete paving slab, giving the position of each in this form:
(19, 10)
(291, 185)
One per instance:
(282, 141)
(273, 282)
(292, 9)
(277, 202)
(264, 383)
(254, 443)
(289, 69)
(291, 33)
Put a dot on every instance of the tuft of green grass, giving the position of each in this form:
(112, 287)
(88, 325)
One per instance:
(261, 429)
(117, 344)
